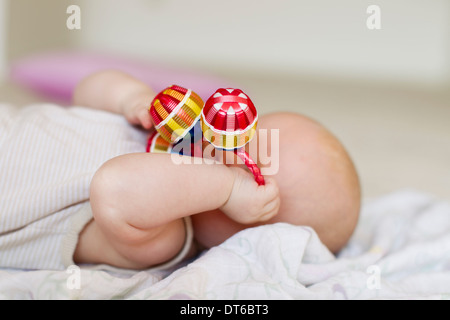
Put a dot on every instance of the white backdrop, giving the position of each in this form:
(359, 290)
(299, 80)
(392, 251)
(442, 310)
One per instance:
(318, 37)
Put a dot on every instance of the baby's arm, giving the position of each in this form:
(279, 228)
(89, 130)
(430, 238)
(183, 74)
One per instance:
(116, 92)
(136, 206)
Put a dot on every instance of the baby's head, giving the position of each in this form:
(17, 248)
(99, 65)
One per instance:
(318, 183)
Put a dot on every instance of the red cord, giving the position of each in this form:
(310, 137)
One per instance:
(241, 153)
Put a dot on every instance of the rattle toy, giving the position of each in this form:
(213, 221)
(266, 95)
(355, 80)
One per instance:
(190, 145)
(228, 122)
(156, 144)
(174, 112)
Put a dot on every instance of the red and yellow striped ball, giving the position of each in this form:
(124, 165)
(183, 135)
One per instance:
(229, 119)
(174, 111)
(156, 144)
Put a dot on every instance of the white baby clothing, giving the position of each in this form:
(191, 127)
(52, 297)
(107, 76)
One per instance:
(48, 156)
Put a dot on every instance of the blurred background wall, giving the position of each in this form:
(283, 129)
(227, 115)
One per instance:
(296, 36)
(37, 26)
(3, 39)
(306, 37)
(385, 93)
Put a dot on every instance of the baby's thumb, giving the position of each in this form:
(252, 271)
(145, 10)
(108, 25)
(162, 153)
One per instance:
(144, 118)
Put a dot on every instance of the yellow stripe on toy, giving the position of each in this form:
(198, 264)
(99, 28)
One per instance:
(157, 144)
(174, 112)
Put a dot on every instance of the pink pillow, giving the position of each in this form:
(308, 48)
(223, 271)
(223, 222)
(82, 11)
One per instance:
(56, 74)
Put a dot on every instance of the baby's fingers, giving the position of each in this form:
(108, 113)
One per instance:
(272, 200)
(144, 118)
(270, 210)
(270, 189)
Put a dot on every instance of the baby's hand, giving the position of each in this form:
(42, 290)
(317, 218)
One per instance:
(135, 109)
(249, 203)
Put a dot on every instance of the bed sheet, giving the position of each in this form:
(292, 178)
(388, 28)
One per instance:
(400, 250)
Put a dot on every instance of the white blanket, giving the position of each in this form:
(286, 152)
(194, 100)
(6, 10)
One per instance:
(401, 249)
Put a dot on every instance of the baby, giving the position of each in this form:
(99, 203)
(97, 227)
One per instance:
(144, 210)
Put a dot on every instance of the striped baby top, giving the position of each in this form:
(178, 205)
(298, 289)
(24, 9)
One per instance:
(48, 156)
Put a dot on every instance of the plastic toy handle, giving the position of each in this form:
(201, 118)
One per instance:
(241, 153)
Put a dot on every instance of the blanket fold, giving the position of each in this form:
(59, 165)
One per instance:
(400, 250)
